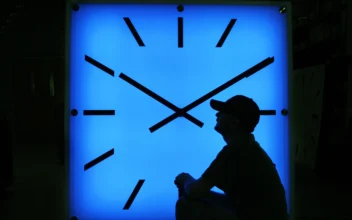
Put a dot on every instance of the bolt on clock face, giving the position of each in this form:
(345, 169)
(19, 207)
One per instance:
(141, 77)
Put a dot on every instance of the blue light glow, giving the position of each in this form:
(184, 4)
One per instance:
(180, 75)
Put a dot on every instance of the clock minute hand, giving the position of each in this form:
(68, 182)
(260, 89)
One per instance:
(214, 92)
(159, 98)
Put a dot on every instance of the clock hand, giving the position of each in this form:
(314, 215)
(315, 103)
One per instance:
(99, 65)
(219, 89)
(159, 98)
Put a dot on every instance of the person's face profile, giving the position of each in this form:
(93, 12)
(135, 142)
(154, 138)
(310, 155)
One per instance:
(225, 123)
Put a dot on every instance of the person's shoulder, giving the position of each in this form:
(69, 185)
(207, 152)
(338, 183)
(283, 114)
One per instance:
(230, 151)
(226, 150)
(253, 144)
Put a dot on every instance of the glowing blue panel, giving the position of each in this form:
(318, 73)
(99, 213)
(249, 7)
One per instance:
(179, 75)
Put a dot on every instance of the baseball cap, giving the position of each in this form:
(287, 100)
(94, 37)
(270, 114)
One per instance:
(244, 108)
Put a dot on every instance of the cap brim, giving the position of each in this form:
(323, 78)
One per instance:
(217, 105)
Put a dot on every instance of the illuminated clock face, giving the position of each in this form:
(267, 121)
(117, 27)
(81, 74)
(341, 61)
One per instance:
(140, 81)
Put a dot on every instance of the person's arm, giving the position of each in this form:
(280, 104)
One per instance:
(197, 189)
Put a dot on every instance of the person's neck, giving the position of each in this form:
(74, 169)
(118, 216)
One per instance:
(235, 136)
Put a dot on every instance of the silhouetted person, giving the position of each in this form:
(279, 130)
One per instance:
(242, 170)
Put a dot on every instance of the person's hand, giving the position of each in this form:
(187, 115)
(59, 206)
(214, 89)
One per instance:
(182, 178)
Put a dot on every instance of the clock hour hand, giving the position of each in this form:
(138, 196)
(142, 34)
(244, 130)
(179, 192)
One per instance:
(214, 92)
(159, 99)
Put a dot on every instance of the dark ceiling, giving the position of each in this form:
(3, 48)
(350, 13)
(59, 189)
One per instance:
(36, 29)
(33, 29)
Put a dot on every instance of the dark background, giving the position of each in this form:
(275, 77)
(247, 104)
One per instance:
(32, 45)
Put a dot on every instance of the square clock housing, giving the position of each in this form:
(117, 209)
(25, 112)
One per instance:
(139, 80)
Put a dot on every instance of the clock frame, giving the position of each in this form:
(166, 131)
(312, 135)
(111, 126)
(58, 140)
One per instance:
(177, 112)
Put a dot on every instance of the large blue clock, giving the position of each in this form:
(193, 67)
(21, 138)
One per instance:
(140, 77)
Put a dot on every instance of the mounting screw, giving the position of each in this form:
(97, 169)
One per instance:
(74, 218)
(75, 7)
(74, 112)
(180, 8)
(284, 112)
(283, 9)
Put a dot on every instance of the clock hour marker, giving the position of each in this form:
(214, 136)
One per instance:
(98, 112)
(133, 194)
(98, 159)
(214, 92)
(99, 65)
(267, 112)
(134, 32)
(159, 99)
(226, 33)
(180, 31)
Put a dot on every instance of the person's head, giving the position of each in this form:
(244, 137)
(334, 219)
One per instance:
(238, 115)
